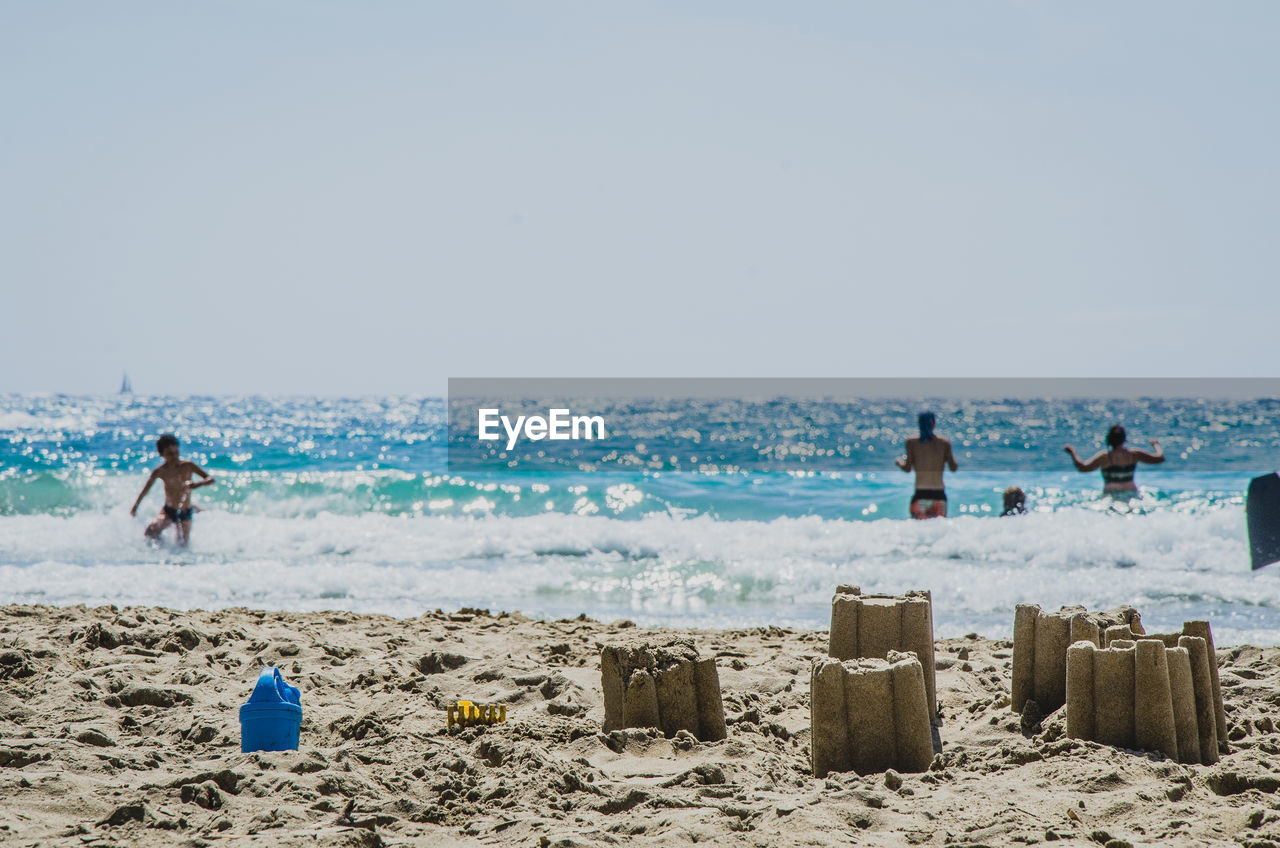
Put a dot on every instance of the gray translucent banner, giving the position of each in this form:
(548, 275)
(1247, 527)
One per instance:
(593, 425)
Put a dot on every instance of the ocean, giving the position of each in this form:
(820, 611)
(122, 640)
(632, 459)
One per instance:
(350, 504)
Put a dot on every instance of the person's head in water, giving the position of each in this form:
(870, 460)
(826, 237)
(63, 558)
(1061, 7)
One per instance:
(1115, 437)
(1015, 501)
(166, 444)
(927, 422)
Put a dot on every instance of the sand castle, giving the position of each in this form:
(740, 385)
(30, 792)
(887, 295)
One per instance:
(1199, 629)
(1040, 642)
(871, 626)
(869, 715)
(664, 685)
(1144, 694)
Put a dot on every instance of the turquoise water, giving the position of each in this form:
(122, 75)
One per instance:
(350, 504)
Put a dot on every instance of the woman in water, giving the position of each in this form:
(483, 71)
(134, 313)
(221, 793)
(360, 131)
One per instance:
(1118, 463)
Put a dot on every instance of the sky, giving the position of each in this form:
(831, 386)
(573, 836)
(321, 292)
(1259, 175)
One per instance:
(353, 198)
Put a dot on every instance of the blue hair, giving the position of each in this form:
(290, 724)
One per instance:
(927, 421)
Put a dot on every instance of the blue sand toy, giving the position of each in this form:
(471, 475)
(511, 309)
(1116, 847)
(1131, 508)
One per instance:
(271, 719)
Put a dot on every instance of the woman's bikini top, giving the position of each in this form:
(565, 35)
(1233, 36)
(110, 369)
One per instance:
(1118, 473)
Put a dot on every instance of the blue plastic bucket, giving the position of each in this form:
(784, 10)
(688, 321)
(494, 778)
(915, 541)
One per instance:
(271, 719)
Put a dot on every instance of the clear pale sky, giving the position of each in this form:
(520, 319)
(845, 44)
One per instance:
(350, 198)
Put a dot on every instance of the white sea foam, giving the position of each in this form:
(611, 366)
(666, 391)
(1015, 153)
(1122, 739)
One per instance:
(20, 421)
(659, 569)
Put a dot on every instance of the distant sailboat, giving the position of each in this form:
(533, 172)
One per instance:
(126, 388)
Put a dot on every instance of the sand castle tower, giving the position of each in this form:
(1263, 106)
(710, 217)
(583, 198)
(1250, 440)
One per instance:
(1040, 642)
(1144, 694)
(869, 715)
(663, 684)
(1198, 629)
(871, 626)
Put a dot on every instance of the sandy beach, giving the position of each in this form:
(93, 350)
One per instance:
(120, 727)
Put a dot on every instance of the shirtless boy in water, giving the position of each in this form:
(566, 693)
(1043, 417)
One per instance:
(175, 473)
(927, 456)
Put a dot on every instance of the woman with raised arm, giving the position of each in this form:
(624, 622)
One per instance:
(1118, 463)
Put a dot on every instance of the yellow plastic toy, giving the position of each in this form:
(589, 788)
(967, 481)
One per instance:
(465, 714)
